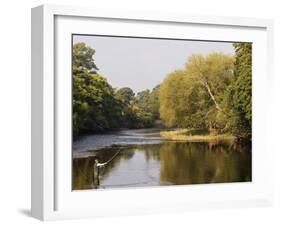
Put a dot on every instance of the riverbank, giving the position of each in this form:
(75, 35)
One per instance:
(188, 135)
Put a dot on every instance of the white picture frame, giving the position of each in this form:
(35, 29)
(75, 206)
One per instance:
(52, 197)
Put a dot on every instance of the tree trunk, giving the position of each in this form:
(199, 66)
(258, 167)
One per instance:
(211, 95)
(204, 82)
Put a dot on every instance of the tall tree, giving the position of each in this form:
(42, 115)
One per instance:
(239, 96)
(192, 97)
(181, 101)
(213, 72)
(95, 107)
(82, 57)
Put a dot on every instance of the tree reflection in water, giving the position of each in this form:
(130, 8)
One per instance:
(179, 163)
(200, 163)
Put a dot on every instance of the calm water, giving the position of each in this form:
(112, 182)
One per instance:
(142, 158)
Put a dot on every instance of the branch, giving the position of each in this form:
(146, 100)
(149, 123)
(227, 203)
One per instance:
(204, 82)
(211, 95)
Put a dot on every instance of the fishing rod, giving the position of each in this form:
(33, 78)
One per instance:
(105, 163)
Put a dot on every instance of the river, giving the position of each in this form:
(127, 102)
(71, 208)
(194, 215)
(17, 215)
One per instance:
(142, 158)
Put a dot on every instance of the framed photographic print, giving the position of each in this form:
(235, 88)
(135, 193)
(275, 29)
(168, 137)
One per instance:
(137, 112)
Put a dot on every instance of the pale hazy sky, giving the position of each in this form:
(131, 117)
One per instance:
(143, 63)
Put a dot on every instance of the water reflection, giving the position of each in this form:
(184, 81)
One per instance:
(168, 163)
(198, 163)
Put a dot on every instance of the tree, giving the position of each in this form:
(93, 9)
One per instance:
(95, 107)
(153, 103)
(213, 72)
(239, 94)
(192, 97)
(125, 95)
(141, 110)
(148, 101)
(142, 98)
(82, 57)
(180, 101)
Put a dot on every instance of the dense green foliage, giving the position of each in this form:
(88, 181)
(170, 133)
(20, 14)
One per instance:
(140, 110)
(82, 57)
(191, 97)
(238, 98)
(211, 92)
(97, 107)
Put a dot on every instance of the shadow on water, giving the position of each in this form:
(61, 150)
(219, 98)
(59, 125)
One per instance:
(167, 163)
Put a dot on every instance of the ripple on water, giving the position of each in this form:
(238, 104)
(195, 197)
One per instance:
(123, 137)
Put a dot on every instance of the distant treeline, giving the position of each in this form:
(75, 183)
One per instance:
(211, 92)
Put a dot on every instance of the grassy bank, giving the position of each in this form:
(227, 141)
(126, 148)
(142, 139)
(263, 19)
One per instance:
(193, 136)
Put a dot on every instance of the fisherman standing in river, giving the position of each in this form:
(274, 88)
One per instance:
(98, 165)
